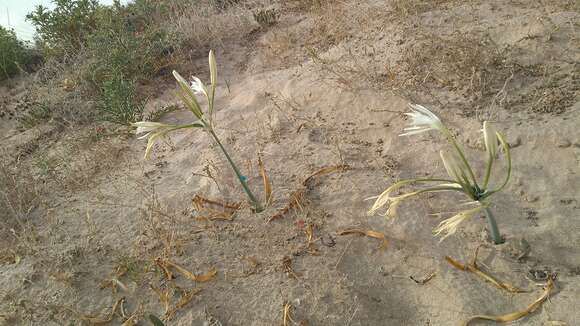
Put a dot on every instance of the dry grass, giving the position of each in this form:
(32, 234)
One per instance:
(19, 196)
(200, 25)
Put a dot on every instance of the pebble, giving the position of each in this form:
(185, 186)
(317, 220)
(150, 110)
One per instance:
(515, 142)
(563, 143)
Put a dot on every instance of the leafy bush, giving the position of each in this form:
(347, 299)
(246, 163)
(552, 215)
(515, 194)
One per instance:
(66, 28)
(125, 42)
(116, 46)
(13, 53)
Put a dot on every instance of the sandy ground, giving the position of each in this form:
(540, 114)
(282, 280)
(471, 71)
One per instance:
(301, 112)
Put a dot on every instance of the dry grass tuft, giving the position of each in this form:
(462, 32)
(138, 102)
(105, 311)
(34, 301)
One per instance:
(299, 197)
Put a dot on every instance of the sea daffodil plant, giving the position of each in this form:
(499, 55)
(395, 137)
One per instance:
(188, 92)
(462, 177)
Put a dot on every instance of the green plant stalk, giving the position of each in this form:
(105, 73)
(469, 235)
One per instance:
(494, 231)
(255, 202)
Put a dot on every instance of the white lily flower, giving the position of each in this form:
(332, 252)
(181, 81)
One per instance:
(490, 139)
(197, 86)
(187, 94)
(152, 130)
(449, 226)
(423, 120)
(148, 127)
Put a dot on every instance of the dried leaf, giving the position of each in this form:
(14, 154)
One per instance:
(287, 266)
(473, 268)
(287, 314)
(299, 196)
(203, 204)
(267, 183)
(518, 314)
(196, 278)
(164, 297)
(296, 200)
(323, 171)
(96, 320)
(164, 268)
(199, 201)
(186, 298)
(368, 233)
(309, 246)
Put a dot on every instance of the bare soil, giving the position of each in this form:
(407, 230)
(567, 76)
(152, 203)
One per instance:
(324, 86)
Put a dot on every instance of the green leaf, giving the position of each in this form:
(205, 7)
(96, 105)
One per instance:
(155, 321)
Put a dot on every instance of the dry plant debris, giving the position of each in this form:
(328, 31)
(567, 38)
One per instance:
(473, 268)
(208, 207)
(298, 196)
(165, 264)
(267, 183)
(296, 199)
(424, 280)
(254, 264)
(96, 320)
(309, 230)
(287, 267)
(518, 314)
(113, 282)
(287, 319)
(186, 297)
(368, 233)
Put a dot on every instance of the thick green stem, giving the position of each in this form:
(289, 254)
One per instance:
(255, 203)
(493, 230)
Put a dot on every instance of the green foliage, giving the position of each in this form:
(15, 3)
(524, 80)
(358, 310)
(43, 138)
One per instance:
(118, 102)
(37, 113)
(119, 45)
(124, 41)
(66, 28)
(13, 54)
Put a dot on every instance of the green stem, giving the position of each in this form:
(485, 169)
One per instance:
(494, 231)
(255, 203)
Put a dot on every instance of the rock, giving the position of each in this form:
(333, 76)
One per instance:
(532, 198)
(517, 249)
(515, 141)
(563, 143)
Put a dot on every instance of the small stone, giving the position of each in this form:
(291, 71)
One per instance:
(515, 142)
(517, 249)
(563, 143)
(532, 198)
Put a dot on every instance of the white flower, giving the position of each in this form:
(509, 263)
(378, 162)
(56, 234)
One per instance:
(449, 226)
(423, 120)
(197, 86)
(148, 127)
(490, 138)
(152, 130)
(187, 94)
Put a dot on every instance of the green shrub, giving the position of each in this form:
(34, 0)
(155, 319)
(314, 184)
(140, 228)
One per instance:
(118, 102)
(66, 28)
(125, 41)
(13, 54)
(118, 45)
